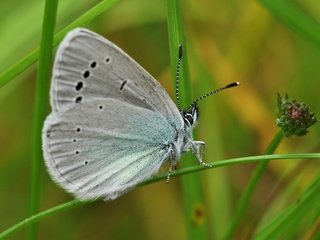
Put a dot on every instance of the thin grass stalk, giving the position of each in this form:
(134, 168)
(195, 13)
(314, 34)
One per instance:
(41, 96)
(76, 203)
(41, 215)
(308, 200)
(217, 185)
(192, 187)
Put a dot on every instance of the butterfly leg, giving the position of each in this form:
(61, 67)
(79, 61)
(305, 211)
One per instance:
(169, 173)
(172, 165)
(198, 148)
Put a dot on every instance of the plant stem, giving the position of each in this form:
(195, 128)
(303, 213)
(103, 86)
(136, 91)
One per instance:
(76, 203)
(192, 187)
(307, 200)
(41, 94)
(256, 176)
(36, 217)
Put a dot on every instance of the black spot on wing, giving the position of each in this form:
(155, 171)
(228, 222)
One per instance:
(78, 99)
(79, 86)
(108, 59)
(86, 74)
(122, 85)
(93, 64)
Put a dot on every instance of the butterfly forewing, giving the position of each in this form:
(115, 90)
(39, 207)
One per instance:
(89, 67)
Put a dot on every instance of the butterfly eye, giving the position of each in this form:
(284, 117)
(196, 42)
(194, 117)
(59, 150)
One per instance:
(188, 118)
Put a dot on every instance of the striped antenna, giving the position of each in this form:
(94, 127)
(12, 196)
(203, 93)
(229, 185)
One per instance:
(230, 85)
(178, 74)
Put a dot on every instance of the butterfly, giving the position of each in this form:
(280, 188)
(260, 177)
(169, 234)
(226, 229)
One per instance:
(112, 124)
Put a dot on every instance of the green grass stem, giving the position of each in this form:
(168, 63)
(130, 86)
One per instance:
(37, 217)
(232, 161)
(39, 114)
(277, 227)
(76, 203)
(192, 187)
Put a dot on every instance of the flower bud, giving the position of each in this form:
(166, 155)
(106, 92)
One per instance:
(293, 117)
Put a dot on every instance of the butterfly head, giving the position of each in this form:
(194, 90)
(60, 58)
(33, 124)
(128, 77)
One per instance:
(190, 115)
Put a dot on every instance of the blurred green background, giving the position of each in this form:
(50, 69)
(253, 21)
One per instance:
(227, 41)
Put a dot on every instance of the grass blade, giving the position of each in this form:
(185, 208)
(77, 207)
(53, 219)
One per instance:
(293, 214)
(37, 217)
(41, 96)
(192, 188)
(217, 185)
(76, 203)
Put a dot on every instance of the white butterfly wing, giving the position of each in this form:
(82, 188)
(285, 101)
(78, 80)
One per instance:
(105, 147)
(89, 67)
(110, 122)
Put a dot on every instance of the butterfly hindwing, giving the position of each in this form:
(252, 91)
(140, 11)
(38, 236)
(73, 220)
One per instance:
(97, 152)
